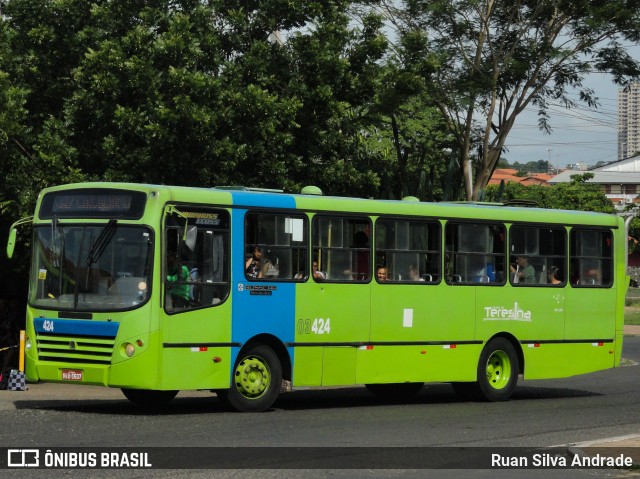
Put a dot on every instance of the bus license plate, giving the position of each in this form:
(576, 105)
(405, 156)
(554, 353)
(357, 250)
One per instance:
(71, 374)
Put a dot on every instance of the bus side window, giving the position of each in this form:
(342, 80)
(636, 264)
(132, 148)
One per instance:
(475, 253)
(537, 255)
(342, 248)
(196, 270)
(276, 247)
(409, 249)
(591, 258)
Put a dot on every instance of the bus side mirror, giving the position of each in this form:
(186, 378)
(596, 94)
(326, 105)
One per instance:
(13, 232)
(11, 242)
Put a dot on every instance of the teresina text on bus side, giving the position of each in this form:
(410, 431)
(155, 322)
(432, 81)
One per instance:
(497, 313)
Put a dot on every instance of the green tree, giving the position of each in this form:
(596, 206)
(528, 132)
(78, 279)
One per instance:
(577, 194)
(39, 49)
(407, 133)
(188, 92)
(336, 75)
(493, 59)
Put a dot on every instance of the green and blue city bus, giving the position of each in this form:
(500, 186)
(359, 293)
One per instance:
(156, 289)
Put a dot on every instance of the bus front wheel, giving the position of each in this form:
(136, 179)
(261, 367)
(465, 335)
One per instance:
(256, 380)
(149, 398)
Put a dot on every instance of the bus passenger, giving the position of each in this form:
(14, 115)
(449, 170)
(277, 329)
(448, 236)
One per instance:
(318, 275)
(361, 264)
(413, 273)
(523, 272)
(252, 267)
(269, 269)
(593, 276)
(382, 273)
(180, 293)
(553, 275)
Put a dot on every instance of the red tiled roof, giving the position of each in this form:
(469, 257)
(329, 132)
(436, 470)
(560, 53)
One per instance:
(508, 175)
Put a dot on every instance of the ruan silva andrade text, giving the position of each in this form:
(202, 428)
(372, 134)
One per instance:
(551, 460)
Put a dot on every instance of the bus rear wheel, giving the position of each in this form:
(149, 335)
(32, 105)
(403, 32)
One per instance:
(256, 380)
(497, 370)
(395, 391)
(149, 398)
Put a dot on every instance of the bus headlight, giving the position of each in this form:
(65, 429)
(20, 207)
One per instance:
(27, 343)
(129, 349)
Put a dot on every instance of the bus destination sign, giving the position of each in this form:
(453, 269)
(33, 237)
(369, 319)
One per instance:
(93, 203)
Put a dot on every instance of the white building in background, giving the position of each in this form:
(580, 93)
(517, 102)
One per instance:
(628, 121)
(620, 180)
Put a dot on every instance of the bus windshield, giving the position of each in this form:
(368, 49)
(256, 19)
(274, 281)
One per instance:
(102, 267)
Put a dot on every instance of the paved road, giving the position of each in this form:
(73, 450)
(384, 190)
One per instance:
(586, 411)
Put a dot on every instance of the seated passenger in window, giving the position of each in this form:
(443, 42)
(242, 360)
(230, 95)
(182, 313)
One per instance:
(382, 273)
(317, 274)
(413, 273)
(553, 275)
(253, 265)
(523, 272)
(269, 268)
(592, 276)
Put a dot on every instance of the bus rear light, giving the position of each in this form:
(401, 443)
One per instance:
(139, 343)
(217, 359)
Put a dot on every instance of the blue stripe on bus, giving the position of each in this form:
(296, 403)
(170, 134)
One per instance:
(262, 200)
(259, 307)
(76, 327)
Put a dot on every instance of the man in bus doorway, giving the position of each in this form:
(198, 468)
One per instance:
(179, 276)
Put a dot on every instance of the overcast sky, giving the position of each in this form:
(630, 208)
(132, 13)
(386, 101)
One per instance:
(580, 134)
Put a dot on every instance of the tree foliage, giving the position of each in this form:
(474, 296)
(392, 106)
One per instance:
(490, 60)
(574, 195)
(284, 93)
(272, 94)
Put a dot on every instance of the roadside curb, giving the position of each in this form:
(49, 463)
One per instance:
(632, 330)
(628, 446)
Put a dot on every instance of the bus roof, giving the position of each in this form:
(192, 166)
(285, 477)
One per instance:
(264, 198)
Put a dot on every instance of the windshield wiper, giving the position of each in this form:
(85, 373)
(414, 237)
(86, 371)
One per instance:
(96, 250)
(101, 242)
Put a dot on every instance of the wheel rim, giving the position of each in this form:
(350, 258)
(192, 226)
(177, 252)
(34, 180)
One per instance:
(252, 377)
(498, 370)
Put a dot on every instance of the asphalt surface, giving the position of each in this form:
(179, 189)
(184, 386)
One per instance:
(56, 391)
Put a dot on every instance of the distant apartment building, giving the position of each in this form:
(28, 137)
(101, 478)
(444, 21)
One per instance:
(628, 121)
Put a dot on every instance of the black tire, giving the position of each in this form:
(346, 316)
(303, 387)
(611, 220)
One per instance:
(149, 398)
(497, 370)
(256, 380)
(395, 391)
